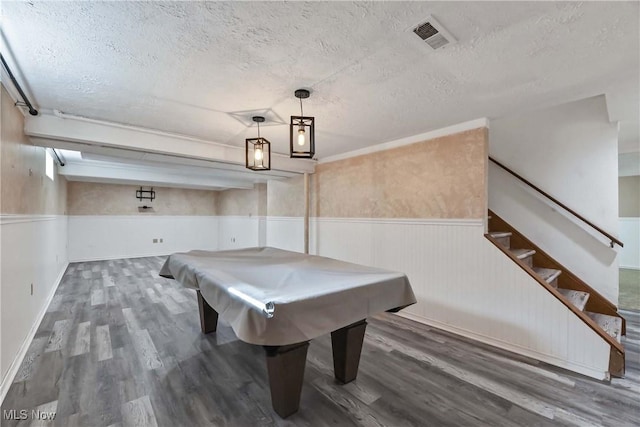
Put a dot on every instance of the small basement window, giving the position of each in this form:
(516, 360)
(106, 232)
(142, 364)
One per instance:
(48, 167)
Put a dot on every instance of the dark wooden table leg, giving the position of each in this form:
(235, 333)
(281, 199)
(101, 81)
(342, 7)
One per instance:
(285, 365)
(208, 316)
(347, 346)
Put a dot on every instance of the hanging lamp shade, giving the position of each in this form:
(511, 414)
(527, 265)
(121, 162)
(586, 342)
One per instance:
(302, 131)
(258, 150)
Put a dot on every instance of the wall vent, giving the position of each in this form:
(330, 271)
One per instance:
(433, 33)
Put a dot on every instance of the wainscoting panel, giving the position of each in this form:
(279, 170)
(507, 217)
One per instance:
(285, 233)
(94, 237)
(466, 285)
(236, 232)
(34, 251)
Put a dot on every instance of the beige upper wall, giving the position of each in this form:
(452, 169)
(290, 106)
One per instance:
(286, 197)
(243, 202)
(86, 198)
(440, 178)
(629, 196)
(25, 188)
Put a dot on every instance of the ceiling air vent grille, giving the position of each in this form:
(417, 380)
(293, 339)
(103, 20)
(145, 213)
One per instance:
(433, 33)
(425, 31)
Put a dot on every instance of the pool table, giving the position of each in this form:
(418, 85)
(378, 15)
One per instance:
(281, 300)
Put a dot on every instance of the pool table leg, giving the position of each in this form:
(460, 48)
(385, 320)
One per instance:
(347, 346)
(208, 316)
(285, 365)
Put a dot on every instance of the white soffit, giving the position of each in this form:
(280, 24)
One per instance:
(64, 131)
(122, 167)
(204, 68)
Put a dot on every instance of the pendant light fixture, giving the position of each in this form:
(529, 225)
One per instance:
(258, 150)
(301, 131)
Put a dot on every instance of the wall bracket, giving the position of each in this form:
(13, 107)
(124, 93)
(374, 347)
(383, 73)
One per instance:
(143, 194)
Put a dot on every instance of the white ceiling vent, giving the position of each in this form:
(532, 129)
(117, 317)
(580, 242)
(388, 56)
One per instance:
(433, 33)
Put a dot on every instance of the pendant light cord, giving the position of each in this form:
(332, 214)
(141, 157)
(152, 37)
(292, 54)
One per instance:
(301, 112)
(258, 129)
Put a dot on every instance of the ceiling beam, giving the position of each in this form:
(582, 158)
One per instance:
(128, 173)
(61, 127)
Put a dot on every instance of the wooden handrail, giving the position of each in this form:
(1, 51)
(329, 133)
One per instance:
(559, 203)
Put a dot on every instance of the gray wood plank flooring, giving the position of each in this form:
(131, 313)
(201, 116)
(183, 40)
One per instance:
(120, 346)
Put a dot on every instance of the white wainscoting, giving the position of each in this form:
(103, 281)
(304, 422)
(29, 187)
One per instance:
(34, 251)
(630, 236)
(236, 232)
(96, 237)
(285, 233)
(466, 285)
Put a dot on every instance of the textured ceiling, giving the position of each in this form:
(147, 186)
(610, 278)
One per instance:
(203, 68)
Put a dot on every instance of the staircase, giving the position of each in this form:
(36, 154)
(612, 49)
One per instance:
(585, 302)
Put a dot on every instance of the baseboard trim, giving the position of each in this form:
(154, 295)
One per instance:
(629, 267)
(22, 352)
(573, 367)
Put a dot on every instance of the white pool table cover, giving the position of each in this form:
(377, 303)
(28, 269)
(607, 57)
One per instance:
(271, 296)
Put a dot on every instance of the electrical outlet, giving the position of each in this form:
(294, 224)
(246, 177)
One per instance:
(32, 289)
(155, 240)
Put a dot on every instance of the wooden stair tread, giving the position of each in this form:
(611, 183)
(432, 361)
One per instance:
(612, 325)
(577, 298)
(548, 274)
(522, 253)
(500, 234)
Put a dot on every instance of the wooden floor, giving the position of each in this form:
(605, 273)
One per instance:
(121, 346)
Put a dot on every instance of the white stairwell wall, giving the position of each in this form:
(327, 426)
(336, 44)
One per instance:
(569, 151)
